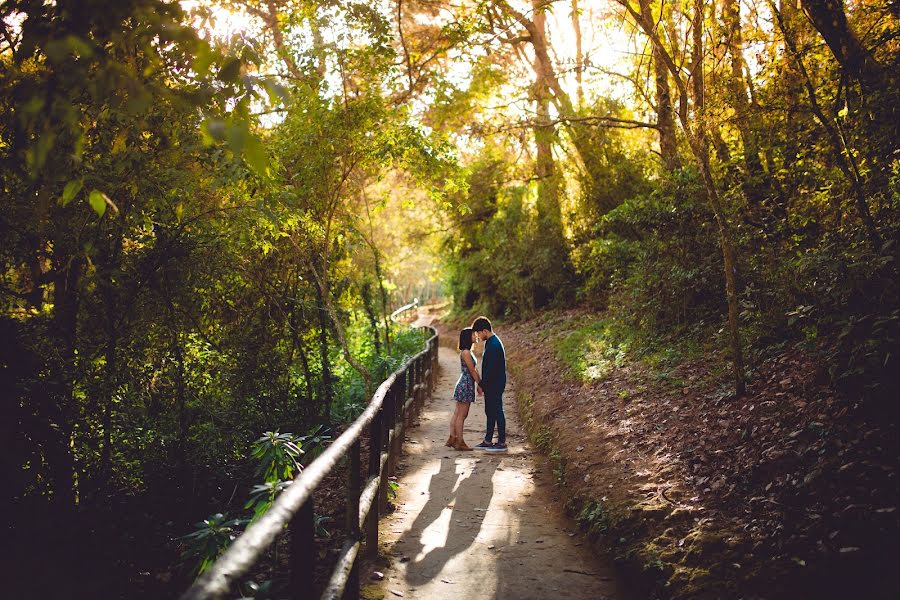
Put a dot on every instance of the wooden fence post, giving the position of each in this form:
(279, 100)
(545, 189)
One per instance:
(385, 447)
(303, 550)
(374, 466)
(351, 592)
(393, 431)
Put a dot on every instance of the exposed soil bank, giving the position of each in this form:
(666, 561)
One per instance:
(787, 492)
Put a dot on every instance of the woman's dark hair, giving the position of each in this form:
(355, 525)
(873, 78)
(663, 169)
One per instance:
(481, 323)
(465, 339)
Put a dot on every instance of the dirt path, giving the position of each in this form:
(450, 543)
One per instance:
(473, 525)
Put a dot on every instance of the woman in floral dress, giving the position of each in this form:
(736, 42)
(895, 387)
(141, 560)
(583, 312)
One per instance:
(464, 395)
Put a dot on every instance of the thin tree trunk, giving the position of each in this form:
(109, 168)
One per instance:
(376, 257)
(111, 306)
(384, 304)
(295, 318)
(737, 86)
(697, 140)
(665, 113)
(111, 385)
(549, 213)
(307, 377)
(60, 456)
(270, 18)
(365, 291)
(579, 55)
(326, 394)
(180, 400)
(793, 88)
(545, 75)
(841, 153)
(553, 267)
(700, 148)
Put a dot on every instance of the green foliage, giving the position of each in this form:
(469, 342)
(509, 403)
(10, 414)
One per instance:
(319, 523)
(277, 456)
(494, 265)
(160, 248)
(211, 538)
(393, 488)
(655, 258)
(596, 517)
(350, 399)
(593, 350)
(262, 497)
(315, 442)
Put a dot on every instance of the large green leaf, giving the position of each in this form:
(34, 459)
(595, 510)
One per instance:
(70, 191)
(230, 70)
(99, 201)
(255, 155)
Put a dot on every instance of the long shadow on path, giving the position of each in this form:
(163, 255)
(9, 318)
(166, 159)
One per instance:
(459, 496)
(473, 526)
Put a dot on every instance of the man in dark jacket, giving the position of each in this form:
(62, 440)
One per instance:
(493, 383)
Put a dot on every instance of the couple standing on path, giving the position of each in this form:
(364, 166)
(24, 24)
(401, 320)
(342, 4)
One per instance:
(491, 383)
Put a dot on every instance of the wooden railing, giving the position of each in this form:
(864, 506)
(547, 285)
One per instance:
(386, 418)
(414, 305)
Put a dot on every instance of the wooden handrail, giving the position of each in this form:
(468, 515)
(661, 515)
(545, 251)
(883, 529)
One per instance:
(386, 416)
(396, 314)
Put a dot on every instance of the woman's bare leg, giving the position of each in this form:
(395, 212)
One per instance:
(451, 441)
(463, 413)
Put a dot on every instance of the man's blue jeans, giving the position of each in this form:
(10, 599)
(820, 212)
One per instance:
(493, 408)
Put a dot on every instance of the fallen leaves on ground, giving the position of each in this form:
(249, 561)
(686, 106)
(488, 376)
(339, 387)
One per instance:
(790, 487)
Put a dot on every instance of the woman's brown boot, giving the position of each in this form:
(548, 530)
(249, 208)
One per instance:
(461, 445)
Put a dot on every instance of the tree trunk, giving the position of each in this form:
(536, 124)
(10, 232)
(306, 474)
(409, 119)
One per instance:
(295, 318)
(700, 148)
(579, 56)
(737, 87)
(60, 457)
(665, 113)
(385, 315)
(365, 292)
(326, 386)
(111, 306)
(181, 457)
(110, 386)
(697, 140)
(829, 19)
(549, 213)
(552, 267)
(376, 258)
(545, 75)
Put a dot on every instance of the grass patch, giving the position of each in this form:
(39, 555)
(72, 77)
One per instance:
(592, 348)
(595, 516)
(592, 351)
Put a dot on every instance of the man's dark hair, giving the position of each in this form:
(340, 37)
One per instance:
(481, 323)
(465, 339)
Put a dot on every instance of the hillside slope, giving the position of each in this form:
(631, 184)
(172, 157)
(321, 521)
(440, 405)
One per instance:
(787, 492)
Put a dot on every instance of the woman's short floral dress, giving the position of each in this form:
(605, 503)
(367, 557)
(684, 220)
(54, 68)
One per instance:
(465, 387)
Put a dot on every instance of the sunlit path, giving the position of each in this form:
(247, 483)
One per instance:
(472, 525)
